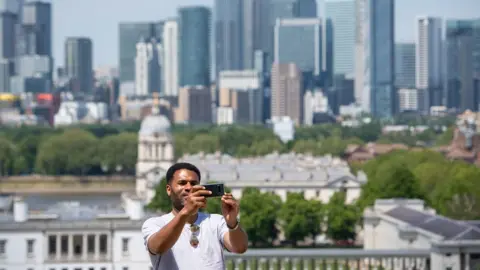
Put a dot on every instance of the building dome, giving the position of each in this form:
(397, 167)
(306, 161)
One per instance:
(154, 124)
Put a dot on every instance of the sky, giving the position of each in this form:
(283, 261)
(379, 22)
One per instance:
(99, 19)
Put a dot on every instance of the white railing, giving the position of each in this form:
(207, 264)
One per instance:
(329, 259)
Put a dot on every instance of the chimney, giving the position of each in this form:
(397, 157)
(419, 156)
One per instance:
(20, 210)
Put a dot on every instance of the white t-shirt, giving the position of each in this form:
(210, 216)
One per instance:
(208, 255)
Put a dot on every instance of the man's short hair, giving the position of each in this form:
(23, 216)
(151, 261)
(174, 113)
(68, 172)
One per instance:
(181, 166)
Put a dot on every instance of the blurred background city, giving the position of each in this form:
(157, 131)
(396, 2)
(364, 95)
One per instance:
(348, 129)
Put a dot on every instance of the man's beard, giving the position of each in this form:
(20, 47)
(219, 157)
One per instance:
(177, 203)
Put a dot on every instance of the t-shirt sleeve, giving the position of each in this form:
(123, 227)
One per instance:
(151, 226)
(222, 229)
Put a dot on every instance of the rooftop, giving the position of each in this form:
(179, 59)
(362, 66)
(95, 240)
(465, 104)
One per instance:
(290, 168)
(58, 211)
(412, 214)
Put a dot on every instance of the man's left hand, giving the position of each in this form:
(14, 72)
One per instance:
(230, 209)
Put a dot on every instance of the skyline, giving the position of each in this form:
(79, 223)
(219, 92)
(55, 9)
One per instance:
(72, 18)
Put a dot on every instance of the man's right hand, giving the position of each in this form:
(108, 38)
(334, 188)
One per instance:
(195, 200)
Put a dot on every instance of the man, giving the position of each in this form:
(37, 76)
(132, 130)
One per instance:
(186, 239)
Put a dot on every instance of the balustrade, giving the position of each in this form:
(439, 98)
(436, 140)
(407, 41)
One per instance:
(329, 259)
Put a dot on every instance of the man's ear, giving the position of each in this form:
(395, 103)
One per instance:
(169, 190)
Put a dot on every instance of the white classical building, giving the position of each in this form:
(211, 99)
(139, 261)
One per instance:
(317, 177)
(155, 154)
(401, 224)
(89, 233)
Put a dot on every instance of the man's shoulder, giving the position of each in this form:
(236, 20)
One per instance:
(158, 219)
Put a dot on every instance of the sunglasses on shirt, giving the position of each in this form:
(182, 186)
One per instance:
(195, 229)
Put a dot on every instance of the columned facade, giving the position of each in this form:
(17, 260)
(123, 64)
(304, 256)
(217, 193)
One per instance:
(74, 247)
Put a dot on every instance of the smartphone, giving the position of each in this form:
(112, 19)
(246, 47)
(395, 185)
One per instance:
(217, 190)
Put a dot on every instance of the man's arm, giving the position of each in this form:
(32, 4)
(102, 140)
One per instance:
(159, 241)
(235, 239)
(164, 239)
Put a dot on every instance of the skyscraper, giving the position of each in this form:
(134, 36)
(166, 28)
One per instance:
(79, 63)
(129, 34)
(170, 58)
(405, 65)
(287, 99)
(147, 67)
(307, 55)
(378, 42)
(428, 68)
(463, 46)
(257, 31)
(194, 36)
(342, 16)
(228, 35)
(37, 28)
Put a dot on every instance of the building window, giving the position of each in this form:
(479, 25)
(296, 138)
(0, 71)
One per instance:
(30, 246)
(52, 244)
(125, 245)
(64, 244)
(91, 243)
(103, 243)
(3, 244)
(78, 245)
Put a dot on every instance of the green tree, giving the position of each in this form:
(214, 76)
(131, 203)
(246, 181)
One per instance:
(459, 197)
(305, 146)
(300, 218)
(264, 147)
(161, 201)
(341, 218)
(258, 215)
(72, 152)
(118, 151)
(207, 143)
(392, 179)
(11, 160)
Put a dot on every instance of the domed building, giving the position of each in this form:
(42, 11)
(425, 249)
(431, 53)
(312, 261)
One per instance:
(155, 152)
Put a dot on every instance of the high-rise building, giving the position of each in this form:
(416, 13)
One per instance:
(8, 20)
(7, 34)
(194, 38)
(128, 36)
(257, 32)
(341, 13)
(79, 62)
(378, 42)
(429, 59)
(228, 35)
(307, 55)
(463, 47)
(359, 62)
(148, 67)
(194, 105)
(170, 58)
(306, 9)
(287, 97)
(37, 28)
(405, 65)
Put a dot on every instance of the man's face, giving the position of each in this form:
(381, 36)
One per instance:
(180, 186)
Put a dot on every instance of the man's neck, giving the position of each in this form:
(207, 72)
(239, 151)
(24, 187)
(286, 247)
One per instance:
(190, 220)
